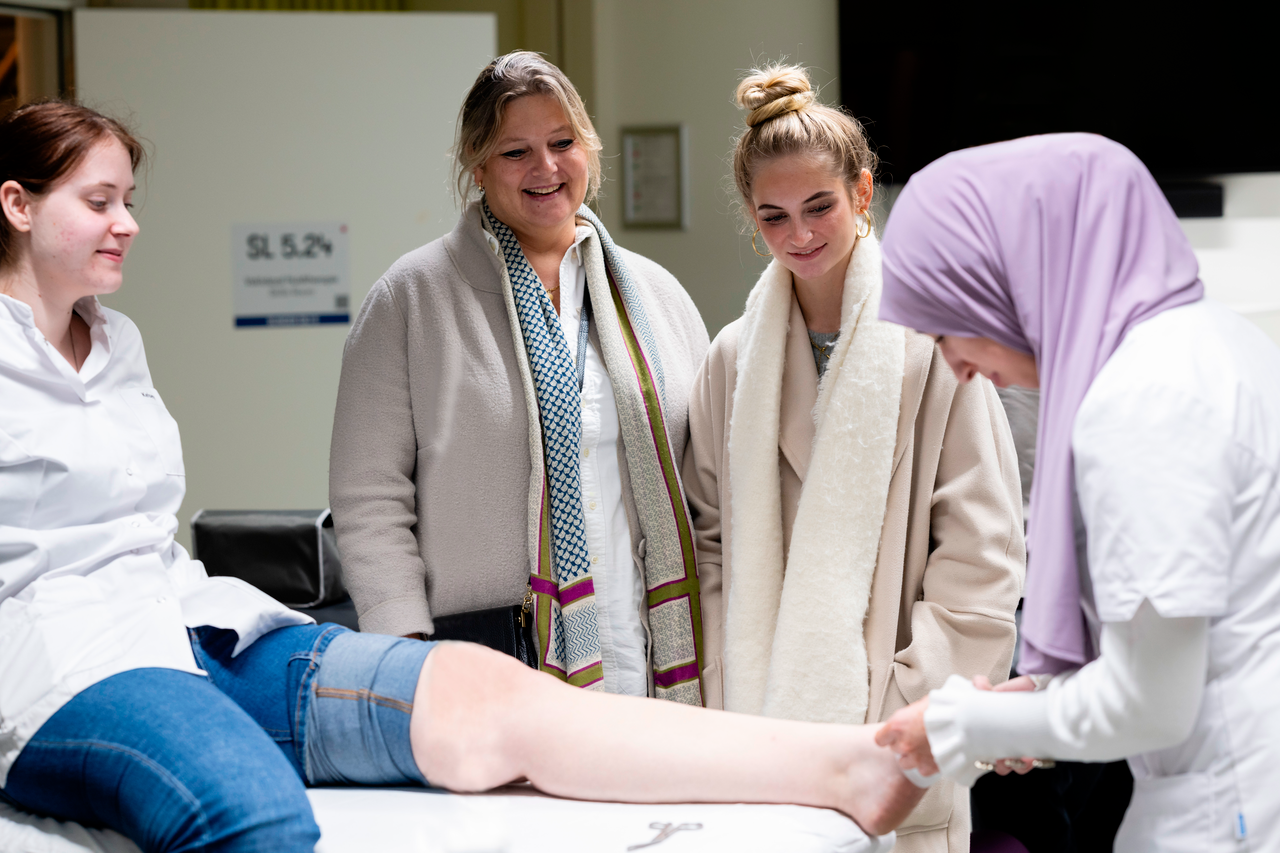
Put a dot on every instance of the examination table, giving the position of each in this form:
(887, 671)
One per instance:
(515, 819)
(293, 556)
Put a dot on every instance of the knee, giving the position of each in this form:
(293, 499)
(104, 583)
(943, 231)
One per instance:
(474, 709)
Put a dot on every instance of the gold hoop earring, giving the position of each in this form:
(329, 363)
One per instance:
(866, 220)
(757, 251)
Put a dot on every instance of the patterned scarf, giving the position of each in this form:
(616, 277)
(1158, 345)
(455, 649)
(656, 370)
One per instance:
(561, 580)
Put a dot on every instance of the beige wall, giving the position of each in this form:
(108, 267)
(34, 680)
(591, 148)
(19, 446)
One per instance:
(255, 406)
(667, 61)
(561, 30)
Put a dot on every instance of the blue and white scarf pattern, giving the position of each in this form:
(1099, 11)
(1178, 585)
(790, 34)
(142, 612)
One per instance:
(575, 635)
(561, 582)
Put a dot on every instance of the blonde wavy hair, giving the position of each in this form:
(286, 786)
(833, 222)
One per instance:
(785, 117)
(508, 77)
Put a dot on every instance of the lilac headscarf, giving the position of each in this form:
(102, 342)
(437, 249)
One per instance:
(1055, 246)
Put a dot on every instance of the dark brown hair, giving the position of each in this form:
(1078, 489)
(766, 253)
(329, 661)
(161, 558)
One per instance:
(42, 143)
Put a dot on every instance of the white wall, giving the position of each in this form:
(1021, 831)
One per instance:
(670, 61)
(1239, 254)
(258, 117)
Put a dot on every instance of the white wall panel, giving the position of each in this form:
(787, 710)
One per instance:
(270, 117)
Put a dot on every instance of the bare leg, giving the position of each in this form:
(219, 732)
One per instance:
(482, 719)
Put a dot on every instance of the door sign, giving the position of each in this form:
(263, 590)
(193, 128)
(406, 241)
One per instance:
(291, 274)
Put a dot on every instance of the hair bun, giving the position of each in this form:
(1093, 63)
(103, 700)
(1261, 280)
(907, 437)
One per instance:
(773, 91)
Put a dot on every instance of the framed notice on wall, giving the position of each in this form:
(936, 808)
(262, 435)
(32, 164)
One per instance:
(653, 177)
(291, 274)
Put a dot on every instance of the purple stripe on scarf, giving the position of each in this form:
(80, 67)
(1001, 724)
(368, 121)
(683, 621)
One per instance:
(574, 591)
(542, 586)
(686, 672)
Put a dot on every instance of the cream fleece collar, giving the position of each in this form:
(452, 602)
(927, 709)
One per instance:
(794, 645)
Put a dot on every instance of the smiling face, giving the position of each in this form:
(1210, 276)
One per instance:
(999, 363)
(807, 215)
(537, 178)
(80, 231)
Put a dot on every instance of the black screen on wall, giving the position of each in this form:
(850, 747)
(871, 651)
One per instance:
(1192, 93)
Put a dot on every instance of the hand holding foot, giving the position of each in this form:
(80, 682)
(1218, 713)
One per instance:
(1005, 766)
(905, 734)
(877, 796)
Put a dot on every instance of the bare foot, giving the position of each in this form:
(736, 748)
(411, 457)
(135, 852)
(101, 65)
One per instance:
(876, 795)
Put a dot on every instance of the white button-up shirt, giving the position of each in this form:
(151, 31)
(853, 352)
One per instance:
(619, 590)
(91, 476)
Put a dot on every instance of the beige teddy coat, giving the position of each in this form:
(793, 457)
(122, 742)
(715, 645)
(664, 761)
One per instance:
(951, 558)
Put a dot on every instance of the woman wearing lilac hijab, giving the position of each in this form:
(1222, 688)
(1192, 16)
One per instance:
(1152, 612)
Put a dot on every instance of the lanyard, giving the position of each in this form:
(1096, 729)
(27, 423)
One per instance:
(580, 357)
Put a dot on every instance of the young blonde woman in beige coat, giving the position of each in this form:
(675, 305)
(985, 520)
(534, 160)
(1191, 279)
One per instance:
(857, 512)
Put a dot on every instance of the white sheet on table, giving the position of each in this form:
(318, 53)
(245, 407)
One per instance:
(520, 820)
(510, 820)
(25, 833)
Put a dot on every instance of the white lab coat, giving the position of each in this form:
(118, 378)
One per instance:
(91, 476)
(1177, 462)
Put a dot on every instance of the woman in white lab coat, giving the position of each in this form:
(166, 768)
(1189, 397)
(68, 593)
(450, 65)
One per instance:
(1055, 262)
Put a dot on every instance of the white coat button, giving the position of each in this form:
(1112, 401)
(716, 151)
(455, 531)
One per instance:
(595, 560)
(129, 471)
(586, 451)
(593, 504)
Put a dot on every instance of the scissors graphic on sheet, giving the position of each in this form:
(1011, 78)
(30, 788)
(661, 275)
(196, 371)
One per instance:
(665, 831)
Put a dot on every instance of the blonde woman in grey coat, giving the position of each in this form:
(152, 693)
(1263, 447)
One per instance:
(513, 413)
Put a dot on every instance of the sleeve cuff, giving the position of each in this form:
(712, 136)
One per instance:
(944, 723)
(966, 725)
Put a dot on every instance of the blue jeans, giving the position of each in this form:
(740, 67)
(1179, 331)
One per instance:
(178, 762)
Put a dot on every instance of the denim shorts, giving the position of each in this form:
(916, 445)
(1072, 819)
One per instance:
(179, 762)
(348, 698)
